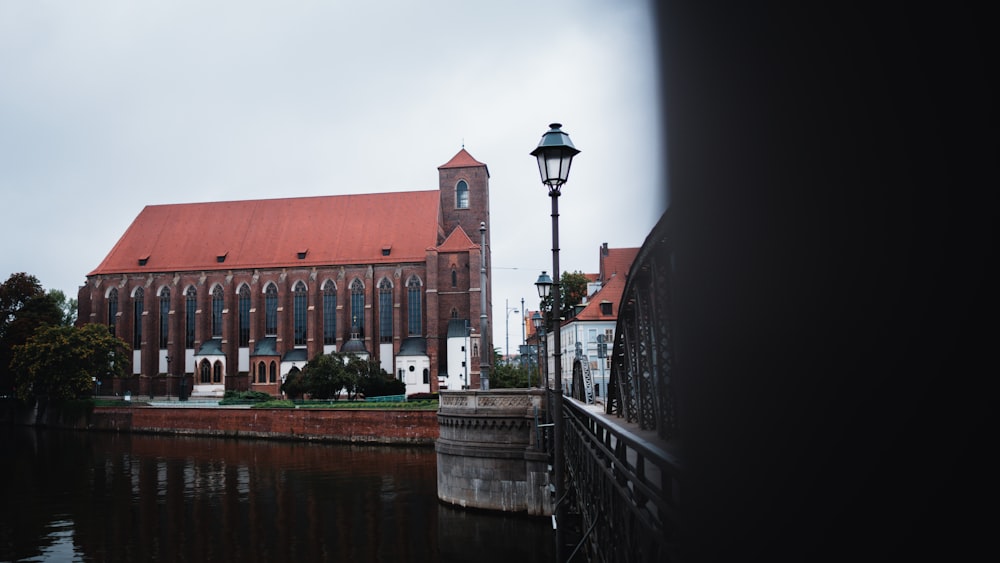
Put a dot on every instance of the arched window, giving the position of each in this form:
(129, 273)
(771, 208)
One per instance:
(358, 306)
(244, 306)
(261, 373)
(218, 300)
(271, 310)
(385, 310)
(414, 306)
(454, 313)
(274, 372)
(190, 306)
(112, 309)
(462, 195)
(137, 308)
(217, 372)
(206, 371)
(454, 278)
(300, 297)
(329, 312)
(164, 317)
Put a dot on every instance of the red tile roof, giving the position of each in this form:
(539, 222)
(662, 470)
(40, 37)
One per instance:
(618, 261)
(270, 233)
(463, 160)
(457, 241)
(614, 270)
(611, 292)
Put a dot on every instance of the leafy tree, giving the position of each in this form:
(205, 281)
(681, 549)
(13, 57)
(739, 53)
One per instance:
(14, 293)
(62, 362)
(67, 306)
(295, 385)
(326, 376)
(507, 375)
(369, 379)
(572, 291)
(24, 307)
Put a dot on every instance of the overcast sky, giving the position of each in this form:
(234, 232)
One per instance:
(106, 107)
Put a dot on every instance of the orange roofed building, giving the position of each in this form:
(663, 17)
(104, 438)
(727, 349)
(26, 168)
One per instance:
(238, 294)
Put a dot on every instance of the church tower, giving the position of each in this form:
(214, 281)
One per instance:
(465, 204)
(465, 194)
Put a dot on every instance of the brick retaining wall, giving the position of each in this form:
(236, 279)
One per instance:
(373, 426)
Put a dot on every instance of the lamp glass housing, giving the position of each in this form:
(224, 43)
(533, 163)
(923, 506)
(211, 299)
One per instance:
(536, 320)
(544, 285)
(555, 155)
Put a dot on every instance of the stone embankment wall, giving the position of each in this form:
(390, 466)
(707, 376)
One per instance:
(488, 451)
(375, 426)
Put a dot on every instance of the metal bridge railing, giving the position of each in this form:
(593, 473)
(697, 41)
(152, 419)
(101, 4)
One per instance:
(627, 487)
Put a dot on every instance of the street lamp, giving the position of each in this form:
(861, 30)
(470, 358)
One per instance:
(555, 154)
(539, 322)
(507, 326)
(485, 344)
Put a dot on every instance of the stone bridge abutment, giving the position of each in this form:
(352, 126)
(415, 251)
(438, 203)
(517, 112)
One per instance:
(490, 451)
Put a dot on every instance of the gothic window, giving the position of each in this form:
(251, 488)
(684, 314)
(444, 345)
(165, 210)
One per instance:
(329, 312)
(274, 372)
(190, 306)
(414, 307)
(261, 373)
(137, 307)
(385, 310)
(299, 298)
(217, 372)
(454, 278)
(206, 371)
(164, 317)
(271, 310)
(462, 195)
(217, 304)
(454, 313)
(112, 309)
(244, 306)
(358, 306)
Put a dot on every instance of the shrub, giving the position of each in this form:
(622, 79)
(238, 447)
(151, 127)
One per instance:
(241, 397)
(275, 404)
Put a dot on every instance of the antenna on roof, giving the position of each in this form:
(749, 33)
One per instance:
(463, 142)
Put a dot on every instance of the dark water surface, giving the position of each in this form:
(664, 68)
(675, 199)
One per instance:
(91, 496)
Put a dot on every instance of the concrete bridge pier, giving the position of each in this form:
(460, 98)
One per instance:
(488, 451)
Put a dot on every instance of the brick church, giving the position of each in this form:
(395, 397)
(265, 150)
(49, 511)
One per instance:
(238, 294)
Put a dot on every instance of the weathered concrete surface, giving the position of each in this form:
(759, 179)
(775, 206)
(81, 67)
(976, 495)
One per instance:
(488, 455)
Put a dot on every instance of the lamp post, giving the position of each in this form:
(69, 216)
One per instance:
(507, 327)
(523, 350)
(539, 323)
(555, 154)
(485, 347)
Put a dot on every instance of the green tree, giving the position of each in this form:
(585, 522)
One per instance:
(507, 375)
(24, 307)
(67, 306)
(572, 291)
(326, 376)
(63, 362)
(295, 385)
(369, 379)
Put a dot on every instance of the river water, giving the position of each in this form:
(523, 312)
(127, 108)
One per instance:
(94, 496)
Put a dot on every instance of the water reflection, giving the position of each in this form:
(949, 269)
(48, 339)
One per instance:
(118, 497)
